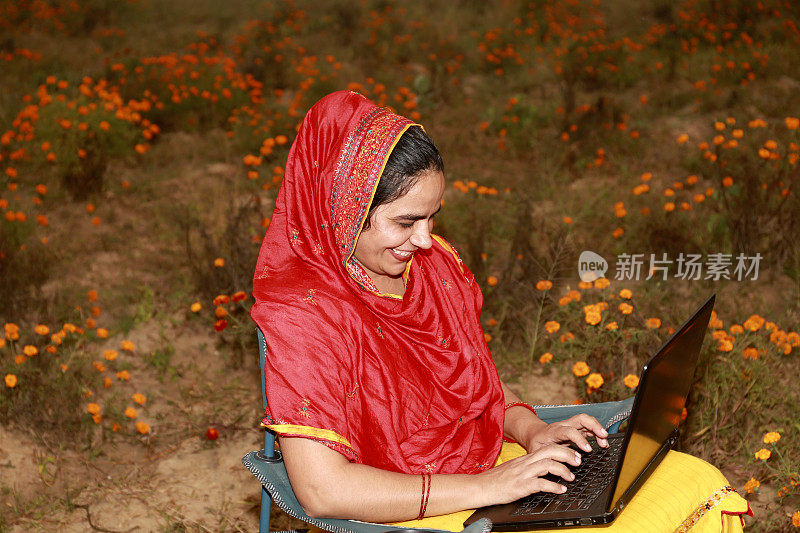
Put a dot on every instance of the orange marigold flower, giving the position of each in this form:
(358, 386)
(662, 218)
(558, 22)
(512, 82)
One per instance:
(30, 350)
(220, 312)
(592, 315)
(727, 181)
(754, 323)
(251, 160)
(580, 369)
(130, 412)
(492, 322)
(142, 428)
(219, 262)
(595, 381)
(196, 307)
(102, 333)
(750, 353)
(492, 281)
(99, 366)
(93, 408)
(11, 381)
(653, 323)
(751, 485)
(682, 138)
(792, 122)
(128, 346)
(796, 519)
(92, 294)
(611, 326)
(123, 375)
(545, 358)
(771, 437)
(97, 418)
(139, 398)
(724, 345)
(617, 233)
(736, 329)
(568, 336)
(631, 381)
(585, 285)
(625, 308)
(110, 354)
(487, 337)
(107, 383)
(601, 283)
(763, 454)
(551, 326)
(544, 285)
(281, 139)
(625, 293)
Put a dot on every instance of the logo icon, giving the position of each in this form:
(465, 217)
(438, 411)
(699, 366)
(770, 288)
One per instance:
(591, 266)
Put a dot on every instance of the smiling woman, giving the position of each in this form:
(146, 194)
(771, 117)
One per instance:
(378, 377)
(397, 230)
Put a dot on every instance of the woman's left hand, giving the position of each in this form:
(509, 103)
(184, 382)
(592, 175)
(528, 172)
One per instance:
(574, 429)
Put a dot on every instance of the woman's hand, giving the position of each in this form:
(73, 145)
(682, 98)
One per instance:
(574, 429)
(523, 475)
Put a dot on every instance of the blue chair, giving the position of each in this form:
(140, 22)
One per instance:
(268, 467)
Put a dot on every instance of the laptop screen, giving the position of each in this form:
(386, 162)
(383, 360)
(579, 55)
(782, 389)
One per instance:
(663, 389)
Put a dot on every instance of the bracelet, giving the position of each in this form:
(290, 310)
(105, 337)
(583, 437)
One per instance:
(426, 492)
(521, 404)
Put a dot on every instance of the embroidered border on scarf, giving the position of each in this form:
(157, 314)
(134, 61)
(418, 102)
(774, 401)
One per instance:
(358, 171)
(711, 502)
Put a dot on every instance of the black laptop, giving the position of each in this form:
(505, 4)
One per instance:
(607, 478)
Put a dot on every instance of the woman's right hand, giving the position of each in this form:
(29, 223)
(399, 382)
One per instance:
(523, 475)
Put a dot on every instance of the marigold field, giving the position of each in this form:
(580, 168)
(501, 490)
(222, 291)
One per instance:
(142, 144)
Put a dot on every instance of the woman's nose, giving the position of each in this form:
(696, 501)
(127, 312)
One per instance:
(421, 238)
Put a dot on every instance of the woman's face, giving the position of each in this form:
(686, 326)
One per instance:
(399, 229)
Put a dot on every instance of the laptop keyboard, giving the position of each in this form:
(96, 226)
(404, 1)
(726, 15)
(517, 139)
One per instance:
(592, 477)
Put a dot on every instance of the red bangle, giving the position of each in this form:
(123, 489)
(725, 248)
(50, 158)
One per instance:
(521, 404)
(426, 492)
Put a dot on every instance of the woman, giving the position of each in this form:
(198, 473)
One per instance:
(379, 382)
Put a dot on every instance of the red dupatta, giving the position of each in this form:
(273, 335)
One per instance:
(405, 384)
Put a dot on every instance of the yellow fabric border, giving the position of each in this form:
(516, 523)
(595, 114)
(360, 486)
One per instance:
(446, 245)
(308, 431)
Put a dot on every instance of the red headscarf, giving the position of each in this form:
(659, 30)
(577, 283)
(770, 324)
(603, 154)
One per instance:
(405, 384)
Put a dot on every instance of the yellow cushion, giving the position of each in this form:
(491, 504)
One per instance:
(683, 494)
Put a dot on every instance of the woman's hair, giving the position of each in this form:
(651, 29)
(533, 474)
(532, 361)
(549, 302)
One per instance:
(413, 154)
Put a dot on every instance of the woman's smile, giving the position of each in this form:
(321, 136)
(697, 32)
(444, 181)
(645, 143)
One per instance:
(398, 230)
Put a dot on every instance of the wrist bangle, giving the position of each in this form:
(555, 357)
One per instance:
(521, 404)
(426, 492)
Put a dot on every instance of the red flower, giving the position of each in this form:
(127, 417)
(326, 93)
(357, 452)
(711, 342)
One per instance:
(239, 296)
(222, 299)
(220, 324)
(212, 434)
